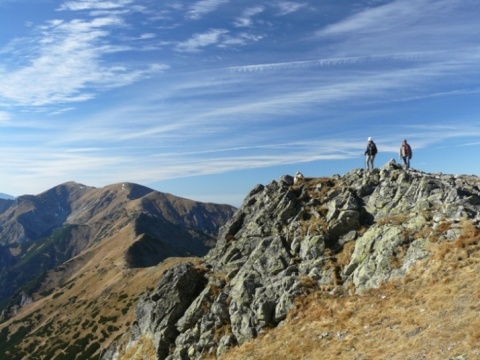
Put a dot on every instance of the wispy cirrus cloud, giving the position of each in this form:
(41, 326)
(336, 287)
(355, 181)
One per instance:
(398, 14)
(204, 7)
(62, 62)
(373, 69)
(246, 19)
(414, 25)
(431, 48)
(338, 61)
(199, 41)
(4, 117)
(288, 7)
(94, 5)
(219, 38)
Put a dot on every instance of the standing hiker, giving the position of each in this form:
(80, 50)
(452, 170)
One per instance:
(406, 153)
(370, 153)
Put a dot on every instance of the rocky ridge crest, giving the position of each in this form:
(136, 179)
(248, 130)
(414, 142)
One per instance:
(340, 234)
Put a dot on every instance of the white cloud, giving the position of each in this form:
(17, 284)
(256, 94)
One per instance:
(288, 7)
(246, 19)
(412, 25)
(203, 7)
(4, 117)
(380, 18)
(94, 5)
(147, 36)
(297, 64)
(98, 166)
(63, 63)
(62, 111)
(369, 68)
(199, 41)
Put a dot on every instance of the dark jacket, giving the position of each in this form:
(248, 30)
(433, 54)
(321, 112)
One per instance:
(371, 149)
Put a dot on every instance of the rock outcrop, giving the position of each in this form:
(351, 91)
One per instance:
(343, 233)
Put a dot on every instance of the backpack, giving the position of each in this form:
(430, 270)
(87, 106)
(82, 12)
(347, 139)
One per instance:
(407, 150)
(372, 148)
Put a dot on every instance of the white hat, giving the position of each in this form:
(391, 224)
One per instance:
(369, 139)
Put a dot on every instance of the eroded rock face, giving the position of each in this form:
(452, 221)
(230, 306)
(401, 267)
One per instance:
(287, 239)
(159, 312)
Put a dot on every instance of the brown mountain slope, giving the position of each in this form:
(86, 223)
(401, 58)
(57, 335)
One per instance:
(92, 308)
(38, 233)
(102, 246)
(30, 217)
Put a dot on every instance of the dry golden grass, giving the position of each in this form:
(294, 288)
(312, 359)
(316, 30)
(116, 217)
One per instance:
(344, 257)
(432, 313)
(144, 349)
(314, 226)
(319, 187)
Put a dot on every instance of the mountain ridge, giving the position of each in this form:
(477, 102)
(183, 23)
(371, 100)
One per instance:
(6, 196)
(306, 258)
(337, 237)
(40, 232)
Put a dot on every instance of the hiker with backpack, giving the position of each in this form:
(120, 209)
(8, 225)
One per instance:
(370, 153)
(406, 153)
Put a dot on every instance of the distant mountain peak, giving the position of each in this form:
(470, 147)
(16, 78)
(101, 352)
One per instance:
(133, 191)
(6, 196)
(135, 225)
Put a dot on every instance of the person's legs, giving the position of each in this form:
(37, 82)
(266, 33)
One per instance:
(369, 161)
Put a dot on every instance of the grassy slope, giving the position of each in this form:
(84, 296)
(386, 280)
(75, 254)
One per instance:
(92, 309)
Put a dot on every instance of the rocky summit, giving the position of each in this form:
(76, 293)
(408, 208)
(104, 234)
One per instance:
(342, 235)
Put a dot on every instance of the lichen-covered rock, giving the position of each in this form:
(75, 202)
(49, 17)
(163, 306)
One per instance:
(158, 313)
(371, 262)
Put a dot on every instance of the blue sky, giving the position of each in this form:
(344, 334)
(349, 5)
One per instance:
(205, 99)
